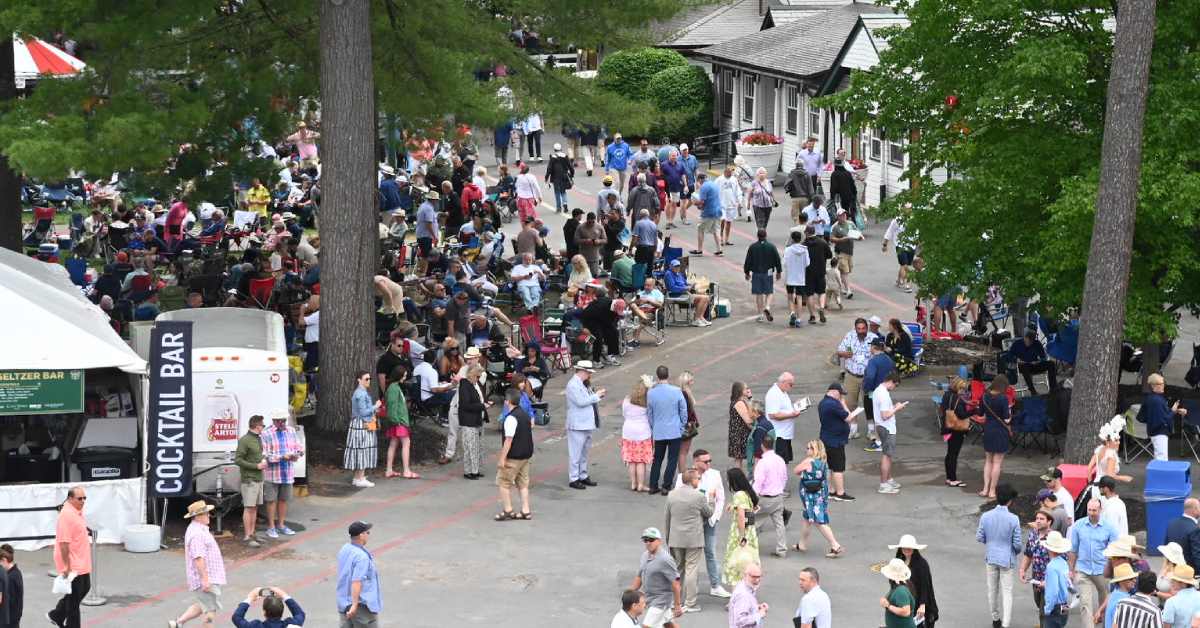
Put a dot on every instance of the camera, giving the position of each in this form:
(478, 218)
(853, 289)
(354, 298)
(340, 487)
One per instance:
(266, 592)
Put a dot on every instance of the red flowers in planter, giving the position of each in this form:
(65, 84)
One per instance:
(761, 139)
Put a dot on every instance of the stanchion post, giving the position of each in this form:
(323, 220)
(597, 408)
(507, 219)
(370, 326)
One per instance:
(93, 598)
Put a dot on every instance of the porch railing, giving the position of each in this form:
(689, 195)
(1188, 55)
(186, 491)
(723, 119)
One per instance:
(719, 147)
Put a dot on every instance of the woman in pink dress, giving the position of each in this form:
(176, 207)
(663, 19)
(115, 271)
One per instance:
(637, 445)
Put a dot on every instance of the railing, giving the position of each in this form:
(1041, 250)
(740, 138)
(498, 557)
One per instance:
(719, 146)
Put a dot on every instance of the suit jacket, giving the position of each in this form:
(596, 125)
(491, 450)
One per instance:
(1186, 533)
(687, 510)
(580, 415)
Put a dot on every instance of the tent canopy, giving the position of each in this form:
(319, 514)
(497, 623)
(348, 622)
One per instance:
(35, 58)
(50, 325)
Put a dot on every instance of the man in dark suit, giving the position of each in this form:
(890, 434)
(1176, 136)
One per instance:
(1185, 531)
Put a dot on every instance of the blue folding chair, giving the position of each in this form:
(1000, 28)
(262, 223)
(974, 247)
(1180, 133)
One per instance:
(918, 341)
(1031, 425)
(77, 269)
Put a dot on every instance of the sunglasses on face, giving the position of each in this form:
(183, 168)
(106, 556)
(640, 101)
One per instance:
(649, 540)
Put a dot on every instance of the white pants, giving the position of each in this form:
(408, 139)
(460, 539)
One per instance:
(452, 429)
(999, 593)
(578, 444)
(1160, 446)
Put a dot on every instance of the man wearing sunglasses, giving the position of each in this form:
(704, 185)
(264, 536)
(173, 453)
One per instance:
(72, 559)
(658, 579)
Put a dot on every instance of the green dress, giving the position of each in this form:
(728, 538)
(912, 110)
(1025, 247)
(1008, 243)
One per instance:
(737, 555)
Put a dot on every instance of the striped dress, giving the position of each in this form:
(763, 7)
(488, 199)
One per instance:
(361, 451)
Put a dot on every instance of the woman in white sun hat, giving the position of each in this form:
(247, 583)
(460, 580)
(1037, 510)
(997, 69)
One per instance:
(921, 580)
(1172, 554)
(899, 607)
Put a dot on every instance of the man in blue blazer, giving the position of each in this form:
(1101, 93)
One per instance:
(1185, 531)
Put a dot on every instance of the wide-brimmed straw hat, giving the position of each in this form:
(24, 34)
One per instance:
(896, 571)
(1123, 572)
(1185, 574)
(198, 507)
(1172, 552)
(1119, 549)
(585, 365)
(908, 541)
(1055, 542)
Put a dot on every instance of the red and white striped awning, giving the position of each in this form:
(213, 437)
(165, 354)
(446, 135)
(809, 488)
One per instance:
(35, 58)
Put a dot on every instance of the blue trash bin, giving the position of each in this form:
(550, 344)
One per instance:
(1168, 484)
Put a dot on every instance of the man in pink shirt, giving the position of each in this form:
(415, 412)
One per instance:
(770, 480)
(205, 567)
(72, 559)
(305, 141)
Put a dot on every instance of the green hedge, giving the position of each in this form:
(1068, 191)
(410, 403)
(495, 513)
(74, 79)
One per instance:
(685, 94)
(628, 72)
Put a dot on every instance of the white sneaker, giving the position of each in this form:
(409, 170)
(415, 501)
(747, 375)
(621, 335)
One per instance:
(718, 591)
(888, 489)
(704, 322)
(691, 609)
(893, 483)
(363, 483)
(697, 323)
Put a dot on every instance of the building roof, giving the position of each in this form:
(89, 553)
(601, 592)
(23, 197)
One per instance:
(710, 24)
(805, 47)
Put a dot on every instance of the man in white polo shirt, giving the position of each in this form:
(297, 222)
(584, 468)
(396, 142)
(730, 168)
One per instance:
(815, 610)
(781, 413)
(885, 427)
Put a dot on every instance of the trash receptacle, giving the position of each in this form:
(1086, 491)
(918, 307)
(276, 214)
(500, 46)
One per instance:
(104, 463)
(1168, 483)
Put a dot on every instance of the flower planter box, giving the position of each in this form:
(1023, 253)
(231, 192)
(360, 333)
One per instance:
(761, 156)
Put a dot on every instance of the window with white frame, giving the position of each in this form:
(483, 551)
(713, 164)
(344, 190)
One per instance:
(749, 89)
(791, 107)
(876, 144)
(727, 94)
(896, 151)
(814, 120)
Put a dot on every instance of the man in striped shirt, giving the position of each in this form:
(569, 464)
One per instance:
(281, 449)
(1140, 610)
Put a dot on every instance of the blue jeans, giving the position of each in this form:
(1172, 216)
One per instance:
(710, 559)
(531, 295)
(560, 198)
(670, 450)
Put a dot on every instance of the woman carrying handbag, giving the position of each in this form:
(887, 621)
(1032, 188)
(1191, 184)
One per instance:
(955, 425)
(997, 433)
(361, 443)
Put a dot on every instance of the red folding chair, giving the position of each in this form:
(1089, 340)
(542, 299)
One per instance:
(531, 333)
(261, 291)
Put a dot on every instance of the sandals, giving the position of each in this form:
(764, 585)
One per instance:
(507, 515)
(523, 516)
(799, 548)
(835, 552)
(410, 476)
(391, 474)
(955, 483)
(696, 252)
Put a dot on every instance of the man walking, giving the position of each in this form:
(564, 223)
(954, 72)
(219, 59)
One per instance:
(710, 214)
(836, 420)
(1140, 610)
(633, 605)
(1000, 531)
(204, 565)
(644, 239)
(770, 482)
(762, 259)
(1185, 599)
(879, 367)
(854, 351)
(358, 601)
(1053, 479)
(782, 414)
(1088, 540)
(687, 511)
(512, 466)
(745, 611)
(658, 579)
(799, 187)
(815, 610)
(812, 160)
(843, 245)
(250, 461)
(282, 449)
(714, 490)
(616, 160)
(886, 411)
(72, 558)
(582, 418)
(666, 410)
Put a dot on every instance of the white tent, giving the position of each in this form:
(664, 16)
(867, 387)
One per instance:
(50, 325)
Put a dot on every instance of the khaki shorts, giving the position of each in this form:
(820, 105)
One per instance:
(252, 494)
(657, 617)
(209, 601)
(798, 203)
(515, 473)
(709, 225)
(273, 492)
(845, 263)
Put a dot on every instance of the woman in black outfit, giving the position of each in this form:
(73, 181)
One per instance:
(898, 346)
(560, 174)
(472, 414)
(997, 433)
(534, 367)
(955, 398)
(600, 318)
(921, 581)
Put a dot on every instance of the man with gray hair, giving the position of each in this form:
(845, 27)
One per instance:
(644, 239)
(644, 196)
(815, 610)
(527, 278)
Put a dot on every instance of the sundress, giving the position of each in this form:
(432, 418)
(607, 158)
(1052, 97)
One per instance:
(738, 556)
(738, 433)
(361, 443)
(816, 505)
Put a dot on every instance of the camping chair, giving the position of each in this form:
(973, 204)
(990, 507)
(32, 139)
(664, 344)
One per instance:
(1031, 425)
(918, 341)
(669, 254)
(531, 333)
(1191, 428)
(77, 268)
(1135, 436)
(678, 310)
(261, 291)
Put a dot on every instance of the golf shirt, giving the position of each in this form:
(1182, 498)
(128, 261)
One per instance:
(815, 609)
(72, 530)
(426, 216)
(778, 402)
(1088, 541)
(646, 232)
(658, 571)
(355, 564)
(1180, 607)
(710, 196)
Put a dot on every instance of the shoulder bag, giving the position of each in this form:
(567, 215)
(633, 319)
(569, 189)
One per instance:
(955, 423)
(814, 480)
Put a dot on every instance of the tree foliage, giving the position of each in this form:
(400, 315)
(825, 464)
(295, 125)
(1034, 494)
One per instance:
(1023, 140)
(685, 95)
(630, 72)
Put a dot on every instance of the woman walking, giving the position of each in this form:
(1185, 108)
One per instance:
(921, 580)
(899, 346)
(361, 449)
(637, 443)
(955, 399)
(472, 414)
(741, 421)
(560, 174)
(899, 606)
(397, 428)
(760, 198)
(814, 494)
(1105, 461)
(692, 427)
(741, 548)
(997, 434)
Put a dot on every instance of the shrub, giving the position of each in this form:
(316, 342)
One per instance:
(628, 72)
(685, 94)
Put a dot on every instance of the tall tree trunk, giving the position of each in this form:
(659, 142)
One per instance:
(1151, 363)
(348, 218)
(1102, 322)
(10, 183)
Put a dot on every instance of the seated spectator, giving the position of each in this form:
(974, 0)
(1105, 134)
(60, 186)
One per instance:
(216, 227)
(194, 300)
(148, 309)
(621, 270)
(533, 367)
(484, 333)
(1030, 358)
(649, 300)
(579, 277)
(528, 278)
(272, 606)
(152, 246)
(677, 287)
(452, 360)
(433, 392)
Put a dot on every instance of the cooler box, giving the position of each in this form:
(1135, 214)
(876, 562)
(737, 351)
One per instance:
(722, 308)
(104, 463)
(1075, 478)
(1168, 483)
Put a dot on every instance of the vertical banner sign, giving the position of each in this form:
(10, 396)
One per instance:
(170, 409)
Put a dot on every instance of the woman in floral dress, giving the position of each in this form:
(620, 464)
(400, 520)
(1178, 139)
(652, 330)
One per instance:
(814, 474)
(741, 420)
(742, 546)
(637, 445)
